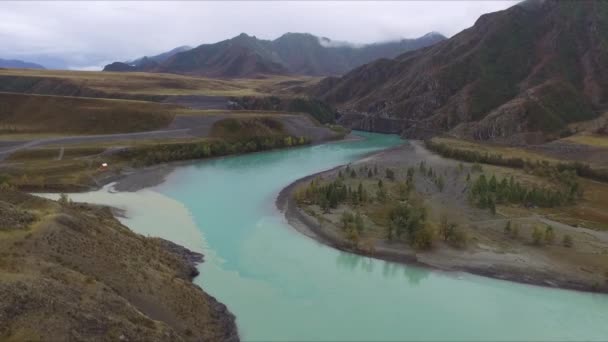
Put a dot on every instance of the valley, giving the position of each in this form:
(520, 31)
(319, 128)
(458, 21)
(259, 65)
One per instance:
(301, 188)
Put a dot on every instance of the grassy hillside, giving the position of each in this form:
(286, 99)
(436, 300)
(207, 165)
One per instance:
(76, 83)
(20, 113)
(58, 283)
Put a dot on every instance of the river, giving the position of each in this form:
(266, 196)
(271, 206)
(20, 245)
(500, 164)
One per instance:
(282, 285)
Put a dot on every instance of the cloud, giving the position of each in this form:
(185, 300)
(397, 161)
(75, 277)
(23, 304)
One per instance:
(91, 32)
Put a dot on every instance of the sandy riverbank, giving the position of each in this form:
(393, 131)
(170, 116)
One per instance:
(488, 255)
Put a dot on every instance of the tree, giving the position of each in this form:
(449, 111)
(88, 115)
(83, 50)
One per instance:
(440, 183)
(422, 167)
(353, 173)
(405, 220)
(567, 241)
(537, 236)
(64, 199)
(445, 227)
(381, 194)
(359, 222)
(346, 219)
(423, 238)
(476, 167)
(375, 170)
(515, 233)
(370, 174)
(549, 235)
(491, 204)
(390, 174)
(361, 193)
(324, 204)
(403, 189)
(507, 229)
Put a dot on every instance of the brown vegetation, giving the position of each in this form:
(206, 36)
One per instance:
(59, 282)
(21, 113)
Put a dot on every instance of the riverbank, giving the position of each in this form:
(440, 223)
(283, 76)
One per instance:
(489, 252)
(136, 179)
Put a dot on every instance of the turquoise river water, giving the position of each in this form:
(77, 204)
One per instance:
(282, 285)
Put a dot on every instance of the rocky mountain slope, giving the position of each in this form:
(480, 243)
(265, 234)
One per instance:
(292, 53)
(521, 73)
(145, 62)
(72, 272)
(18, 64)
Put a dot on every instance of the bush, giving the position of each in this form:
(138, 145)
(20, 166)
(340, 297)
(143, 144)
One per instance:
(567, 241)
(549, 235)
(537, 236)
(423, 238)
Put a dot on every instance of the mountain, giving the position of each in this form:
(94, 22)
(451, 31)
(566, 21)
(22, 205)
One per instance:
(240, 56)
(521, 73)
(292, 53)
(18, 64)
(306, 54)
(145, 62)
(160, 57)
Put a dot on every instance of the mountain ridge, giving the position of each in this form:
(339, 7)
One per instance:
(291, 53)
(19, 64)
(515, 74)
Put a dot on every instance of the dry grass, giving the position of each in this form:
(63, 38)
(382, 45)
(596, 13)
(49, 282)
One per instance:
(167, 84)
(35, 114)
(59, 264)
(506, 152)
(589, 140)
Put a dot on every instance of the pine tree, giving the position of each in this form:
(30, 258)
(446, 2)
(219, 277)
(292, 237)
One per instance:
(390, 174)
(359, 222)
(549, 235)
(508, 228)
(537, 236)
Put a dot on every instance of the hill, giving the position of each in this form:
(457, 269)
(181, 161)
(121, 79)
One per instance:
(18, 64)
(521, 73)
(292, 53)
(58, 282)
(145, 62)
(31, 114)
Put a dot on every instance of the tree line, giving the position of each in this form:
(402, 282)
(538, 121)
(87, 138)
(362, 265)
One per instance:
(155, 154)
(581, 169)
(486, 193)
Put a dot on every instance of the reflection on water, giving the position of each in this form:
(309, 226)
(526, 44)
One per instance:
(349, 261)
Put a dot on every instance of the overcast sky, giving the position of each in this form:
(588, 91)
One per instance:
(88, 34)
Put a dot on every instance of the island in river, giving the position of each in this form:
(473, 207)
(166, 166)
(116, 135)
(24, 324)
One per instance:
(410, 205)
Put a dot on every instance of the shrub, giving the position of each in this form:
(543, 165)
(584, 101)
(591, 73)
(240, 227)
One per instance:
(549, 235)
(537, 236)
(567, 241)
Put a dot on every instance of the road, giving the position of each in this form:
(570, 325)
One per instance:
(182, 127)
(78, 139)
